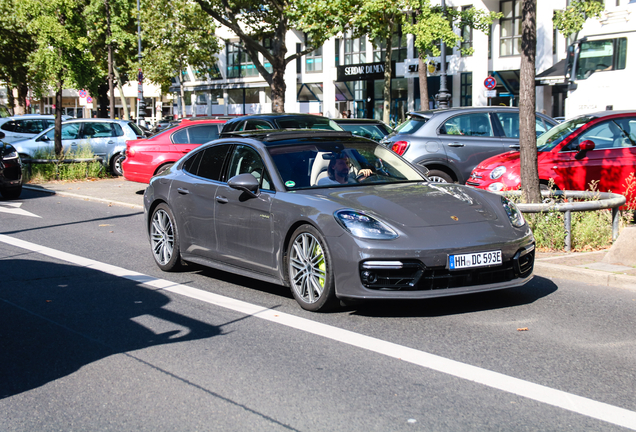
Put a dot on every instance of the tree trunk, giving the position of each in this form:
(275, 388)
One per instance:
(527, 105)
(124, 102)
(58, 118)
(278, 87)
(422, 71)
(21, 107)
(102, 97)
(386, 92)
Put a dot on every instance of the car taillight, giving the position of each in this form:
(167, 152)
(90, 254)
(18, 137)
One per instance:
(400, 147)
(130, 151)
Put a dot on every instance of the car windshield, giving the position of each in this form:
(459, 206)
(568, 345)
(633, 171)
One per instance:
(373, 131)
(354, 163)
(552, 138)
(307, 122)
(411, 125)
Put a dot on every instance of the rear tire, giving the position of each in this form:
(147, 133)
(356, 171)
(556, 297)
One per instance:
(164, 239)
(438, 176)
(116, 165)
(309, 270)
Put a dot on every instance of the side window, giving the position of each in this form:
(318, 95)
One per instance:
(191, 165)
(29, 126)
(257, 125)
(203, 133)
(246, 160)
(181, 137)
(510, 124)
(96, 130)
(9, 126)
(603, 134)
(469, 125)
(69, 131)
(117, 130)
(541, 126)
(212, 159)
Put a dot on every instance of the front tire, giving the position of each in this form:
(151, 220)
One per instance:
(164, 239)
(11, 193)
(309, 270)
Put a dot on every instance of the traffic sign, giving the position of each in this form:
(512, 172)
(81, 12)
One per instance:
(490, 83)
(89, 100)
(82, 94)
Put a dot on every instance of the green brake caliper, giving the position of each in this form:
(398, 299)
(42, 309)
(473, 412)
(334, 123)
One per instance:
(321, 264)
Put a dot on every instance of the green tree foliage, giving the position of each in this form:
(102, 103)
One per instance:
(176, 34)
(62, 57)
(570, 21)
(262, 27)
(430, 25)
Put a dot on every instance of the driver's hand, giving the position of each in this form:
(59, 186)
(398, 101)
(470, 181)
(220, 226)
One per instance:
(364, 173)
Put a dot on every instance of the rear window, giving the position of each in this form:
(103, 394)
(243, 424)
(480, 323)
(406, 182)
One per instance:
(411, 125)
(136, 129)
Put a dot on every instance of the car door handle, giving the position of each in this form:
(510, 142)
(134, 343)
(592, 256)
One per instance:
(222, 199)
(455, 144)
(111, 142)
(514, 146)
(183, 191)
(186, 150)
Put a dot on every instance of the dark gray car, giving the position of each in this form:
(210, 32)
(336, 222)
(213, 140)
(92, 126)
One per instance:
(451, 142)
(333, 216)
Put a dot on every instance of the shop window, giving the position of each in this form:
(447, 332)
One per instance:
(510, 35)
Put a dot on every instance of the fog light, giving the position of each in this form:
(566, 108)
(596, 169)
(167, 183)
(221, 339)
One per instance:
(368, 277)
(495, 187)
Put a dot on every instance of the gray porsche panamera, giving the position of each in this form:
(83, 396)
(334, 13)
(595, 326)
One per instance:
(333, 217)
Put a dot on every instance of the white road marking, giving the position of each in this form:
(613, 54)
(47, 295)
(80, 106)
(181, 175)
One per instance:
(561, 399)
(14, 208)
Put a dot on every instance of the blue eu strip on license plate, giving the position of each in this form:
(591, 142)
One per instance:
(477, 259)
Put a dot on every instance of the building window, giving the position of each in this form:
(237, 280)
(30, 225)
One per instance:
(268, 43)
(490, 42)
(466, 94)
(313, 61)
(239, 63)
(355, 50)
(510, 37)
(208, 72)
(466, 34)
(398, 48)
(185, 76)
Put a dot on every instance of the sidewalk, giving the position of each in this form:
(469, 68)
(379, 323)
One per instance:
(585, 267)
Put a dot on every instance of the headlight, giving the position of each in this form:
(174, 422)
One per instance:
(515, 216)
(363, 226)
(497, 172)
(10, 154)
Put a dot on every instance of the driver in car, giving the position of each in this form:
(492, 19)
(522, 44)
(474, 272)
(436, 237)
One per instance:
(338, 172)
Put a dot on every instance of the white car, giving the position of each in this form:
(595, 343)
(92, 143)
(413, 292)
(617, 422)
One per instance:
(106, 138)
(26, 126)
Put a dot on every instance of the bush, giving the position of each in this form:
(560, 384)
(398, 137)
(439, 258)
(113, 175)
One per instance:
(57, 170)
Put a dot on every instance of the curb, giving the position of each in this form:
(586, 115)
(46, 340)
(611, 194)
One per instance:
(577, 274)
(84, 197)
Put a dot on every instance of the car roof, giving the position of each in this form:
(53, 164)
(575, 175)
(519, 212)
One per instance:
(269, 137)
(358, 120)
(272, 116)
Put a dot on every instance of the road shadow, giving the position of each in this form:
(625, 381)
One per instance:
(60, 317)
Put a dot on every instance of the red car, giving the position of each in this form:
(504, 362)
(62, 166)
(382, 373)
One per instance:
(600, 146)
(148, 157)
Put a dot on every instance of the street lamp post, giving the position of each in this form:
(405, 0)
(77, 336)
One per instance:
(141, 104)
(443, 97)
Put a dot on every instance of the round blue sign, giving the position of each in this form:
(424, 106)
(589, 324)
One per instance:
(490, 83)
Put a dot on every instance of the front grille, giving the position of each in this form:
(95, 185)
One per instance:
(415, 276)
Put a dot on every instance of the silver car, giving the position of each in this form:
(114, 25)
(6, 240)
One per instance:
(333, 216)
(451, 142)
(106, 139)
(27, 126)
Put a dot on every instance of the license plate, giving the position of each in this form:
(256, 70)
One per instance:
(477, 259)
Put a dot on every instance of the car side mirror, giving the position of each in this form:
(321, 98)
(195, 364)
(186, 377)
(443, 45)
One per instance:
(44, 138)
(587, 145)
(245, 182)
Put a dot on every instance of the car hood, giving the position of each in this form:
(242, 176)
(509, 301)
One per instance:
(509, 159)
(419, 204)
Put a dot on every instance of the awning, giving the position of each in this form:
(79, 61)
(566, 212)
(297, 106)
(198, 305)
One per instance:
(553, 75)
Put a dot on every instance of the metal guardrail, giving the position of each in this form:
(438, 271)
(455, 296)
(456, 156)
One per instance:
(593, 201)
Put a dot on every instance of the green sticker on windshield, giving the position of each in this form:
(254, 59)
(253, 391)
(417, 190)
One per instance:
(290, 183)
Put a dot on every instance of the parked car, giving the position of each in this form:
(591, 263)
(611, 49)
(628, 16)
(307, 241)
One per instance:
(595, 147)
(451, 142)
(105, 137)
(148, 157)
(254, 204)
(10, 171)
(279, 121)
(21, 127)
(367, 128)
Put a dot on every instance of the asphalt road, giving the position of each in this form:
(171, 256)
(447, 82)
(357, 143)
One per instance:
(93, 336)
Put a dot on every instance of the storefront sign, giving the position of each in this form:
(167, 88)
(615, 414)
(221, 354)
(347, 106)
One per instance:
(363, 71)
